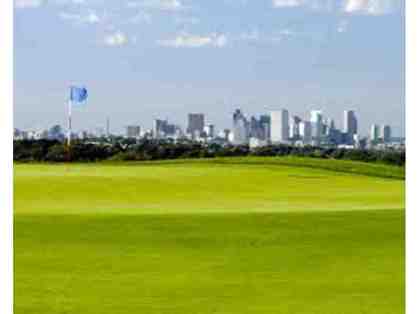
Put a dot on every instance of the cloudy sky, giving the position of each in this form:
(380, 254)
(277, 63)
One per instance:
(143, 59)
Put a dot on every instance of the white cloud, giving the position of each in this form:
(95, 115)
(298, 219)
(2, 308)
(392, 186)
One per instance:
(90, 18)
(31, 4)
(351, 6)
(368, 7)
(195, 41)
(164, 5)
(371, 7)
(270, 38)
(287, 3)
(320, 5)
(28, 4)
(116, 39)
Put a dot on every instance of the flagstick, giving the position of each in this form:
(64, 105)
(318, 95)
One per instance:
(69, 123)
(68, 148)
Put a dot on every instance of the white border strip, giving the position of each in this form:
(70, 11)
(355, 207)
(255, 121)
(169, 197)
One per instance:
(6, 156)
(412, 156)
(6, 165)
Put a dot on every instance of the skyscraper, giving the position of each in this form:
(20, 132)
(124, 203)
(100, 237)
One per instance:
(294, 130)
(386, 133)
(164, 129)
(210, 130)
(316, 126)
(107, 127)
(255, 127)
(305, 129)
(279, 127)
(260, 128)
(329, 126)
(240, 128)
(350, 122)
(265, 124)
(196, 123)
(374, 133)
(133, 131)
(159, 126)
(226, 134)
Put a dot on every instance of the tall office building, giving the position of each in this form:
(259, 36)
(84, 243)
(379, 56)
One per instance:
(350, 122)
(265, 124)
(209, 129)
(305, 131)
(133, 131)
(226, 134)
(240, 128)
(374, 133)
(330, 123)
(329, 126)
(163, 129)
(107, 127)
(386, 133)
(196, 123)
(294, 130)
(255, 127)
(279, 126)
(259, 128)
(316, 126)
(159, 127)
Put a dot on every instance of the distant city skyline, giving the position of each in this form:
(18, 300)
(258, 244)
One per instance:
(107, 126)
(143, 60)
(273, 128)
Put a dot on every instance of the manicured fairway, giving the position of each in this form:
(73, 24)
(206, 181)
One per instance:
(207, 237)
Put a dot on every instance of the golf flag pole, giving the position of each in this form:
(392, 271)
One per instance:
(69, 123)
(78, 96)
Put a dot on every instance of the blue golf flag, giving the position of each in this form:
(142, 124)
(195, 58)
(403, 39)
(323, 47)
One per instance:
(78, 94)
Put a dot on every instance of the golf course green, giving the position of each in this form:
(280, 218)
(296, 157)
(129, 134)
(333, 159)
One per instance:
(239, 235)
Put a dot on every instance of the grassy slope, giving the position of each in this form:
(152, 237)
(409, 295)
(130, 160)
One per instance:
(203, 186)
(345, 166)
(251, 255)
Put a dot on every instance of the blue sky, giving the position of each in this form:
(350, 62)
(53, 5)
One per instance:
(143, 59)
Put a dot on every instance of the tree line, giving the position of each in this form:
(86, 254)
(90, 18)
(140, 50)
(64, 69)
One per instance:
(145, 150)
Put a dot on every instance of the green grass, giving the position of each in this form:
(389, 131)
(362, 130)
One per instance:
(346, 166)
(219, 236)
